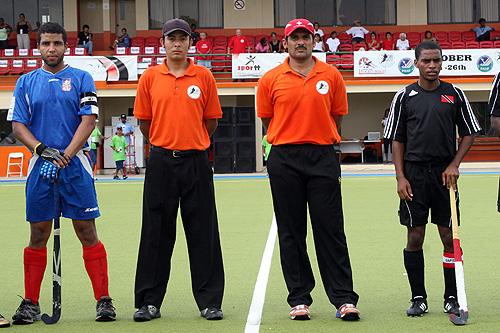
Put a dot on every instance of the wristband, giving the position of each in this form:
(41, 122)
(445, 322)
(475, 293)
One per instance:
(39, 148)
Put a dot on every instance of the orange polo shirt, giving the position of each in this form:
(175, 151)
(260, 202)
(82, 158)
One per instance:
(177, 106)
(302, 110)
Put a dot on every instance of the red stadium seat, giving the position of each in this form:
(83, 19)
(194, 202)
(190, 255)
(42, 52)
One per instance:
(445, 45)
(395, 36)
(454, 36)
(4, 67)
(17, 66)
(210, 39)
(251, 40)
(471, 45)
(135, 50)
(486, 44)
(9, 53)
(35, 53)
(259, 37)
(459, 45)
(32, 43)
(80, 51)
(150, 50)
(442, 36)
(357, 46)
(145, 62)
(347, 61)
(333, 59)
(414, 44)
(69, 52)
(344, 38)
(152, 41)
(345, 48)
(32, 64)
(72, 42)
(413, 37)
(161, 50)
(121, 50)
(219, 59)
(220, 41)
(496, 44)
(22, 53)
(137, 41)
(468, 36)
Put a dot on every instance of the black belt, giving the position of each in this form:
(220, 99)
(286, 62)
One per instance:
(176, 153)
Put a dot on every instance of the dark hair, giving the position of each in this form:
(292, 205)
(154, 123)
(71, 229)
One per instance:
(194, 24)
(373, 33)
(273, 33)
(262, 40)
(316, 23)
(427, 45)
(25, 15)
(333, 32)
(124, 29)
(51, 28)
(85, 26)
(482, 19)
(428, 31)
(317, 35)
(388, 33)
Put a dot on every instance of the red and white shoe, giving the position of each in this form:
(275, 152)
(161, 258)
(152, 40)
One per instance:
(348, 311)
(300, 312)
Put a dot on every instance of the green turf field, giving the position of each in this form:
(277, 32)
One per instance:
(375, 239)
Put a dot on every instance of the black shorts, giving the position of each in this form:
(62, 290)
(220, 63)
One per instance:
(428, 193)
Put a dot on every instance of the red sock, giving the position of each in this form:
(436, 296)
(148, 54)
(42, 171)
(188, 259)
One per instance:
(96, 265)
(35, 262)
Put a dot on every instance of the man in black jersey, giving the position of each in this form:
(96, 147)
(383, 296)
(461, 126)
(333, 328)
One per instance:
(494, 112)
(422, 124)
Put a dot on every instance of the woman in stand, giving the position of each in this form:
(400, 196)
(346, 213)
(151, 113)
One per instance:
(23, 30)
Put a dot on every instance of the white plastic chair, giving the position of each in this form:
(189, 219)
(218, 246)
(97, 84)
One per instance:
(15, 160)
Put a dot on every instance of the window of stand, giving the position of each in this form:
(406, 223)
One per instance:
(204, 13)
(462, 11)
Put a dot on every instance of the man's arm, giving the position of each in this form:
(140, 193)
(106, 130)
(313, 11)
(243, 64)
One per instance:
(145, 125)
(404, 188)
(266, 121)
(451, 174)
(211, 125)
(82, 133)
(338, 121)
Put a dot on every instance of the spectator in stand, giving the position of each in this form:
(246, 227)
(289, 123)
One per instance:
(402, 43)
(275, 44)
(85, 38)
(5, 31)
(318, 45)
(428, 37)
(121, 41)
(357, 33)
(388, 44)
(23, 30)
(317, 30)
(373, 43)
(203, 47)
(239, 44)
(483, 31)
(262, 46)
(195, 35)
(333, 42)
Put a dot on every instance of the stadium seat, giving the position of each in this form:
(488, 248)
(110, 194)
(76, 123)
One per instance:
(395, 35)
(210, 39)
(150, 50)
(32, 64)
(152, 41)
(468, 36)
(145, 62)
(17, 66)
(161, 50)
(454, 36)
(333, 59)
(251, 40)
(35, 53)
(121, 50)
(347, 61)
(258, 38)
(413, 37)
(414, 44)
(69, 52)
(357, 46)
(345, 48)
(80, 51)
(471, 45)
(496, 44)
(458, 45)
(135, 50)
(344, 38)
(219, 59)
(445, 45)
(159, 60)
(4, 67)
(137, 41)
(8, 53)
(495, 34)
(442, 36)
(72, 42)
(22, 53)
(220, 41)
(486, 44)
(32, 43)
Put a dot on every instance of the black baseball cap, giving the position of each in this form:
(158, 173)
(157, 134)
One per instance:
(175, 25)
(123, 116)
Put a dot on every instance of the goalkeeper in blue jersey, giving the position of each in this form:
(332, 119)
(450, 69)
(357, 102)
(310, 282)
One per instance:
(53, 112)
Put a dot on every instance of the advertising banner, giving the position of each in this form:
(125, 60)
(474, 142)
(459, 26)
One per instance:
(106, 68)
(401, 63)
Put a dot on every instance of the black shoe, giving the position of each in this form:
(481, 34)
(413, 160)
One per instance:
(111, 48)
(146, 313)
(212, 313)
(4, 322)
(125, 177)
(451, 306)
(105, 309)
(116, 177)
(418, 307)
(27, 313)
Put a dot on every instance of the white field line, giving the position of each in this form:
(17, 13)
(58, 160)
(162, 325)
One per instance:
(259, 293)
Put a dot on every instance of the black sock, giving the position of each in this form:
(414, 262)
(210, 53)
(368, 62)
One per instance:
(414, 264)
(450, 284)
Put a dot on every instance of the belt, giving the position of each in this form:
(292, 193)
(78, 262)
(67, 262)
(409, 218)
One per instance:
(176, 153)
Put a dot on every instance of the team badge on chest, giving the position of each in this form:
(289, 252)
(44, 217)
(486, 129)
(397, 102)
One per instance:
(194, 92)
(322, 87)
(66, 84)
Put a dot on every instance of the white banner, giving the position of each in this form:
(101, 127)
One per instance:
(401, 63)
(106, 68)
(254, 65)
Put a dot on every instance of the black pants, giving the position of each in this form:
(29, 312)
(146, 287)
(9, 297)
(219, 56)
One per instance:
(170, 180)
(303, 175)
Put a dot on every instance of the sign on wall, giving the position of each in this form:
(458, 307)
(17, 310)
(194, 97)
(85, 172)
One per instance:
(239, 4)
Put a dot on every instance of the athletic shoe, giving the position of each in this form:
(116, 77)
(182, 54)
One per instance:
(105, 309)
(212, 313)
(116, 177)
(451, 306)
(418, 307)
(146, 313)
(27, 313)
(347, 311)
(4, 322)
(125, 177)
(300, 312)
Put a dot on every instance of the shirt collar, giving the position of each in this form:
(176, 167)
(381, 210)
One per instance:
(318, 66)
(190, 71)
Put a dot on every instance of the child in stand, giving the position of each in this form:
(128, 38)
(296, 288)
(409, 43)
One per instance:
(119, 145)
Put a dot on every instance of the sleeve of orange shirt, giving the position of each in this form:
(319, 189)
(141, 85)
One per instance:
(212, 109)
(339, 94)
(142, 106)
(264, 101)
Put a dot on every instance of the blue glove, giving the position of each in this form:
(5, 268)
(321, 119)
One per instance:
(49, 170)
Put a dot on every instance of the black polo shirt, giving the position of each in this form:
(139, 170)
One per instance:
(494, 101)
(426, 121)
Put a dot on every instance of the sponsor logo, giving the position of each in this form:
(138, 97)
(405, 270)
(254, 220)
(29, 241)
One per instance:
(322, 87)
(386, 59)
(447, 99)
(93, 209)
(406, 66)
(412, 93)
(66, 84)
(194, 92)
(367, 66)
(497, 56)
(484, 63)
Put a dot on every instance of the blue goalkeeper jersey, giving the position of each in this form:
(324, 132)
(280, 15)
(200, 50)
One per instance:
(51, 105)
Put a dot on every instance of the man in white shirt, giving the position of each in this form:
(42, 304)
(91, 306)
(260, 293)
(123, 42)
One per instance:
(333, 42)
(357, 33)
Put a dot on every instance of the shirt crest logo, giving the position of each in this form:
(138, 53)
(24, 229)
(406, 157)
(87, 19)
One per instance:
(447, 99)
(66, 84)
(322, 87)
(194, 92)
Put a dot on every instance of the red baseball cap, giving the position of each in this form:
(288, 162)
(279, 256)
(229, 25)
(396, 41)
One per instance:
(296, 24)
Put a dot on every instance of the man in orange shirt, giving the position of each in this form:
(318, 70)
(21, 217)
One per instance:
(178, 107)
(302, 102)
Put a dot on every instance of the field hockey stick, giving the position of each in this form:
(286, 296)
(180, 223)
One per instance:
(459, 268)
(56, 265)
